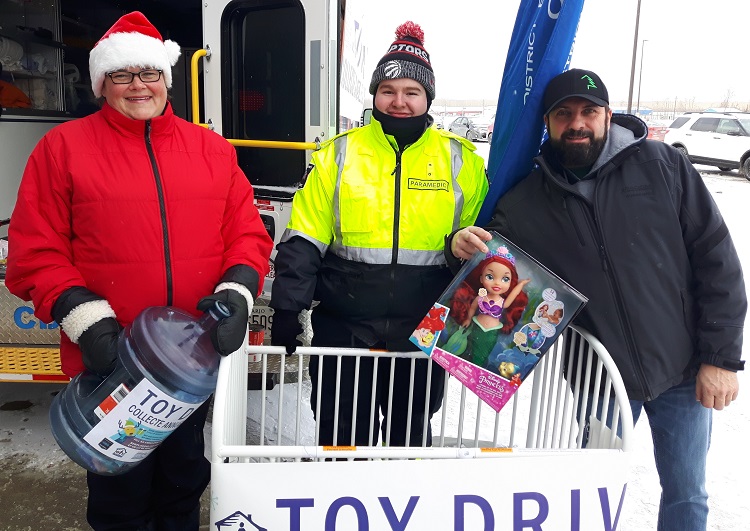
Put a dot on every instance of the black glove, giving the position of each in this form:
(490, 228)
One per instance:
(285, 328)
(98, 345)
(229, 335)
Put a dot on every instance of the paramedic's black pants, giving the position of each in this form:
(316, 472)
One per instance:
(400, 400)
(163, 492)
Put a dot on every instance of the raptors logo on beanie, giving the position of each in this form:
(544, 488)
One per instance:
(132, 41)
(406, 58)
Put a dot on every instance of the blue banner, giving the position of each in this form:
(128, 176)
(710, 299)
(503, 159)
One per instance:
(540, 48)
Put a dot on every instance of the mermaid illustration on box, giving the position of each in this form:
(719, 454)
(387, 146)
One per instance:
(489, 302)
(523, 354)
(547, 316)
(427, 331)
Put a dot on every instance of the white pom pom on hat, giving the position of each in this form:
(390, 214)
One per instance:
(131, 41)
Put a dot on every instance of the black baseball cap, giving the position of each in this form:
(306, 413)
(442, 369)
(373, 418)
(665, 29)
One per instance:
(575, 83)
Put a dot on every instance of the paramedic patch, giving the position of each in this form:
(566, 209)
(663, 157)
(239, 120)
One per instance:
(423, 184)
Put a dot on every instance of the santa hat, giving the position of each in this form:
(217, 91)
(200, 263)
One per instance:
(406, 58)
(131, 42)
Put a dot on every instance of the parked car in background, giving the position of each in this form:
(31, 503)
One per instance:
(490, 128)
(472, 128)
(437, 120)
(714, 139)
(657, 129)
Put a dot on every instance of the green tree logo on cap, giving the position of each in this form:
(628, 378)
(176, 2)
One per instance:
(590, 81)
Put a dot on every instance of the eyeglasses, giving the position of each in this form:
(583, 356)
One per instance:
(123, 78)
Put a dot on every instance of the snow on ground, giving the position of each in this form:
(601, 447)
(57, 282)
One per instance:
(26, 432)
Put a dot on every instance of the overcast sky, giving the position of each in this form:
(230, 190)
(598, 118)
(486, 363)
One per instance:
(694, 50)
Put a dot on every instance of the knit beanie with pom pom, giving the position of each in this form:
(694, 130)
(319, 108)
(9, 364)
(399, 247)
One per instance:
(406, 58)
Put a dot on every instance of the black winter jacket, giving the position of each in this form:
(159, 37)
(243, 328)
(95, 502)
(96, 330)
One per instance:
(642, 238)
(379, 304)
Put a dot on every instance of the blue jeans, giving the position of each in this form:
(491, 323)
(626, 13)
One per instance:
(681, 432)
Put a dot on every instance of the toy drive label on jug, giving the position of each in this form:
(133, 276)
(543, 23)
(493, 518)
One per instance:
(139, 422)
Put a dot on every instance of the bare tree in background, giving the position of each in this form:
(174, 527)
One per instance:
(728, 97)
(689, 104)
(665, 105)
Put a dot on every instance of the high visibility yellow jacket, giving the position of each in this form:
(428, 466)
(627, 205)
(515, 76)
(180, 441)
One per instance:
(367, 231)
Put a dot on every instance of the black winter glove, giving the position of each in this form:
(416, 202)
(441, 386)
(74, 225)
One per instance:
(229, 335)
(98, 346)
(285, 328)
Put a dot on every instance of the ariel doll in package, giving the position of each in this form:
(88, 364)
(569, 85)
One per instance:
(496, 319)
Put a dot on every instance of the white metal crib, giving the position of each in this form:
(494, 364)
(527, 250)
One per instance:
(541, 462)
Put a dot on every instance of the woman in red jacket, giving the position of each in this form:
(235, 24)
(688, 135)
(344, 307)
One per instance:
(128, 208)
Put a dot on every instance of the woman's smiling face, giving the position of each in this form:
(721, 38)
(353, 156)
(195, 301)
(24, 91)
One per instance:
(136, 100)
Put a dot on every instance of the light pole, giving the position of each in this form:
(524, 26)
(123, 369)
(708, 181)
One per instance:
(640, 77)
(635, 54)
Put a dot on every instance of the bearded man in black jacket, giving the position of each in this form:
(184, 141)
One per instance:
(630, 223)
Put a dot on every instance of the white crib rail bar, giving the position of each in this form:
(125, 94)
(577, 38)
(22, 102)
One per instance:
(230, 404)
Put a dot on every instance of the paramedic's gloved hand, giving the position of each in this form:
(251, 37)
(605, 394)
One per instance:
(98, 345)
(285, 328)
(229, 335)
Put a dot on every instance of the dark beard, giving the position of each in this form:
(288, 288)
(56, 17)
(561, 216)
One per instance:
(578, 155)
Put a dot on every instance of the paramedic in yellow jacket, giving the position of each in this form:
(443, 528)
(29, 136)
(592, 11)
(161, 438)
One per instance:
(366, 240)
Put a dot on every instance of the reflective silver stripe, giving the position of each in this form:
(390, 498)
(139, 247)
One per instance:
(457, 162)
(339, 156)
(290, 233)
(383, 256)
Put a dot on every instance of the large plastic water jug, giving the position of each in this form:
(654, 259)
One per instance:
(167, 367)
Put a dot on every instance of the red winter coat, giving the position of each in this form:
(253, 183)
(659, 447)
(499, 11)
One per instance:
(141, 218)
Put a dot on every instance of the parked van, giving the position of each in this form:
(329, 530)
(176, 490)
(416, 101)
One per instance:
(713, 139)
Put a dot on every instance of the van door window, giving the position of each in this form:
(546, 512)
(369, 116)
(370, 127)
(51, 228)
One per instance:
(266, 76)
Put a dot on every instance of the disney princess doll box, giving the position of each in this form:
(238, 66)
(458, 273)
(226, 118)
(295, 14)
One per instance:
(496, 320)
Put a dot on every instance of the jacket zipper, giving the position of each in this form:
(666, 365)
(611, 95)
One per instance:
(396, 207)
(578, 230)
(598, 234)
(162, 211)
(394, 249)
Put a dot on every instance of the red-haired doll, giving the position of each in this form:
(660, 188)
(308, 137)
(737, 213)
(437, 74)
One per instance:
(488, 302)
